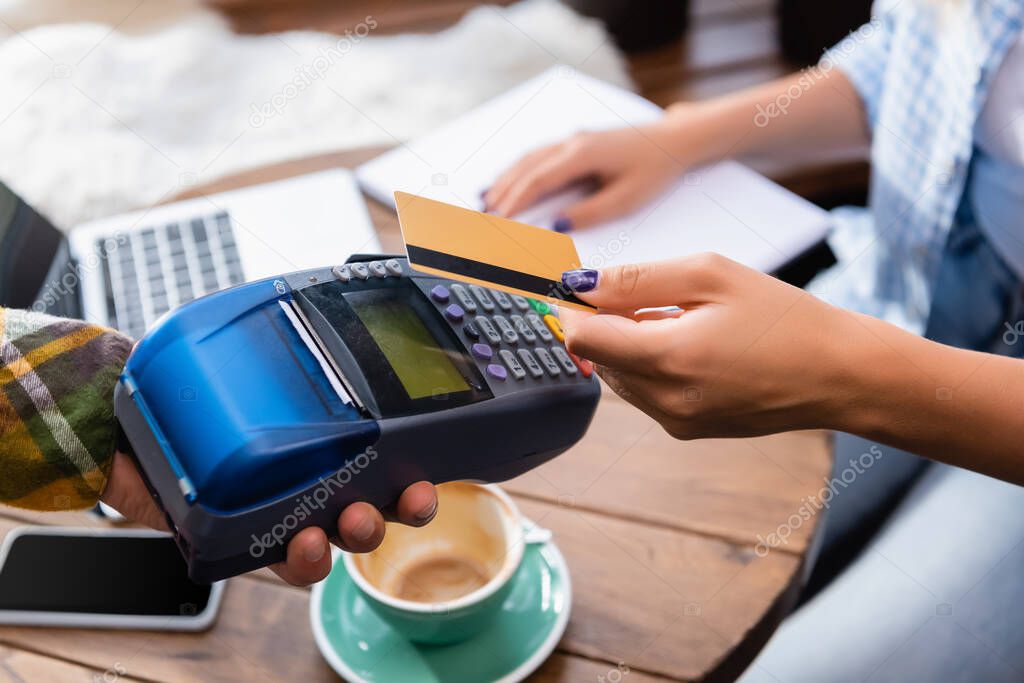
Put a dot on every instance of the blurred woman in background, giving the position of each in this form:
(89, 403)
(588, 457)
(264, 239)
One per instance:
(935, 87)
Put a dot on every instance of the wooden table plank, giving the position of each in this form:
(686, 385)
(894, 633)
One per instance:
(629, 467)
(659, 600)
(18, 666)
(705, 86)
(559, 668)
(704, 11)
(707, 53)
(392, 16)
(396, 16)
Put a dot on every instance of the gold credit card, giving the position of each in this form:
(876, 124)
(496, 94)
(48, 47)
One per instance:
(487, 250)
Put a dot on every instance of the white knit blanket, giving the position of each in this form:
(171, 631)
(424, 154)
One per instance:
(97, 118)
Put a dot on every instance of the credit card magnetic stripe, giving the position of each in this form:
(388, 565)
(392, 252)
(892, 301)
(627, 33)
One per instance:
(462, 244)
(457, 266)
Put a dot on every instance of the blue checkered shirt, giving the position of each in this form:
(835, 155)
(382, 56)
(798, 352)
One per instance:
(922, 69)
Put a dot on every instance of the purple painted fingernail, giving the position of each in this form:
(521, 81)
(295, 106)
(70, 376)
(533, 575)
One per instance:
(581, 280)
(483, 192)
(562, 224)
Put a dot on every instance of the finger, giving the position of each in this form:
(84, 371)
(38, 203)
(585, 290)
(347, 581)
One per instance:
(644, 313)
(613, 199)
(500, 187)
(684, 282)
(544, 177)
(127, 493)
(361, 527)
(416, 506)
(511, 175)
(571, 317)
(308, 559)
(611, 340)
(659, 314)
(650, 394)
(629, 388)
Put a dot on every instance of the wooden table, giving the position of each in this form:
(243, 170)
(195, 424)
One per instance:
(659, 535)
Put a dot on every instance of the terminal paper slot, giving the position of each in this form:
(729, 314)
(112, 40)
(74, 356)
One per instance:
(309, 337)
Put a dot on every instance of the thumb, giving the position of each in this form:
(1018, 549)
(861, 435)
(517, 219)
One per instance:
(681, 282)
(609, 340)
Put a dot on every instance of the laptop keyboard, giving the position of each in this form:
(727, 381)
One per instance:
(152, 270)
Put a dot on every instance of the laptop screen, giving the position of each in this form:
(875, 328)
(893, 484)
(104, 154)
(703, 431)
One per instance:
(29, 244)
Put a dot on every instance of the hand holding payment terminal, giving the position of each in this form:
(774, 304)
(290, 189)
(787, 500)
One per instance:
(268, 407)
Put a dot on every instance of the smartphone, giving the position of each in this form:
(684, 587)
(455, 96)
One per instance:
(101, 578)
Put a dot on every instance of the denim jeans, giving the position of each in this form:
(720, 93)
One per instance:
(932, 590)
(979, 305)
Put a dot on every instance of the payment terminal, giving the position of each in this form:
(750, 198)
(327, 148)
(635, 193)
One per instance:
(268, 407)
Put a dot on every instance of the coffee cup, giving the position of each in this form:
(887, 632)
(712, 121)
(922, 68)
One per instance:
(446, 581)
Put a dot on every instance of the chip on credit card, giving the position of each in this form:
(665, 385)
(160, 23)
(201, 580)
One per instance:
(487, 250)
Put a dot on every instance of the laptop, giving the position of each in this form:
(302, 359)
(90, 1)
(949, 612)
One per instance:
(128, 270)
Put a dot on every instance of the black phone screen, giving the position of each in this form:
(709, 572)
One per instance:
(102, 574)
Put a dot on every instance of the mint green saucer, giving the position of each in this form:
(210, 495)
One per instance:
(360, 647)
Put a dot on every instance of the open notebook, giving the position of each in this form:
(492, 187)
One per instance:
(725, 207)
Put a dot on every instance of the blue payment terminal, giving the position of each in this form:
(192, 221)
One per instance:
(268, 407)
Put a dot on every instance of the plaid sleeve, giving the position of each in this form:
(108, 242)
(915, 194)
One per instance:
(862, 56)
(57, 428)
